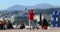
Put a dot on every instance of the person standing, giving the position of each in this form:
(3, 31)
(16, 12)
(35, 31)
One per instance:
(31, 18)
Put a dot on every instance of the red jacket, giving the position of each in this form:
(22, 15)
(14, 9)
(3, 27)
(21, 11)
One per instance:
(30, 15)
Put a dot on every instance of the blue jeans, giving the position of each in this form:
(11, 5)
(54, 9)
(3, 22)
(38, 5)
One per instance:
(31, 23)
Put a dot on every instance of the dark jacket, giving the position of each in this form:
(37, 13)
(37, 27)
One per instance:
(45, 23)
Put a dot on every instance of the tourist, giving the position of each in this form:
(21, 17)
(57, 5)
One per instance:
(22, 26)
(44, 24)
(2, 25)
(9, 25)
(31, 18)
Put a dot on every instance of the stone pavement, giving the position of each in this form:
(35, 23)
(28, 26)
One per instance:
(35, 30)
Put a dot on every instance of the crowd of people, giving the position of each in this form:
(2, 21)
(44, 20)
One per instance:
(31, 23)
(3, 24)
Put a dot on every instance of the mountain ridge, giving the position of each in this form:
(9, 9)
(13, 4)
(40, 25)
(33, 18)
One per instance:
(37, 6)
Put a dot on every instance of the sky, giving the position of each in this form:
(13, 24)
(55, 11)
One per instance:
(4, 4)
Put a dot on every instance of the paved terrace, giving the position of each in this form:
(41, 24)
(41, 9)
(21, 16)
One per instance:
(35, 30)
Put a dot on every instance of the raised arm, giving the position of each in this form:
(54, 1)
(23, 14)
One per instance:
(26, 10)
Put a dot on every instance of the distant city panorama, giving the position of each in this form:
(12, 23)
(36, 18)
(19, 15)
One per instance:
(17, 16)
(30, 15)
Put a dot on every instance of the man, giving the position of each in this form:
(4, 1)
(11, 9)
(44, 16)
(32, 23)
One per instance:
(30, 18)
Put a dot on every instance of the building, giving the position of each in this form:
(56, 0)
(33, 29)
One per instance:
(55, 19)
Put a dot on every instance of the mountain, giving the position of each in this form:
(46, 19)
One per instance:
(16, 7)
(38, 6)
(43, 6)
